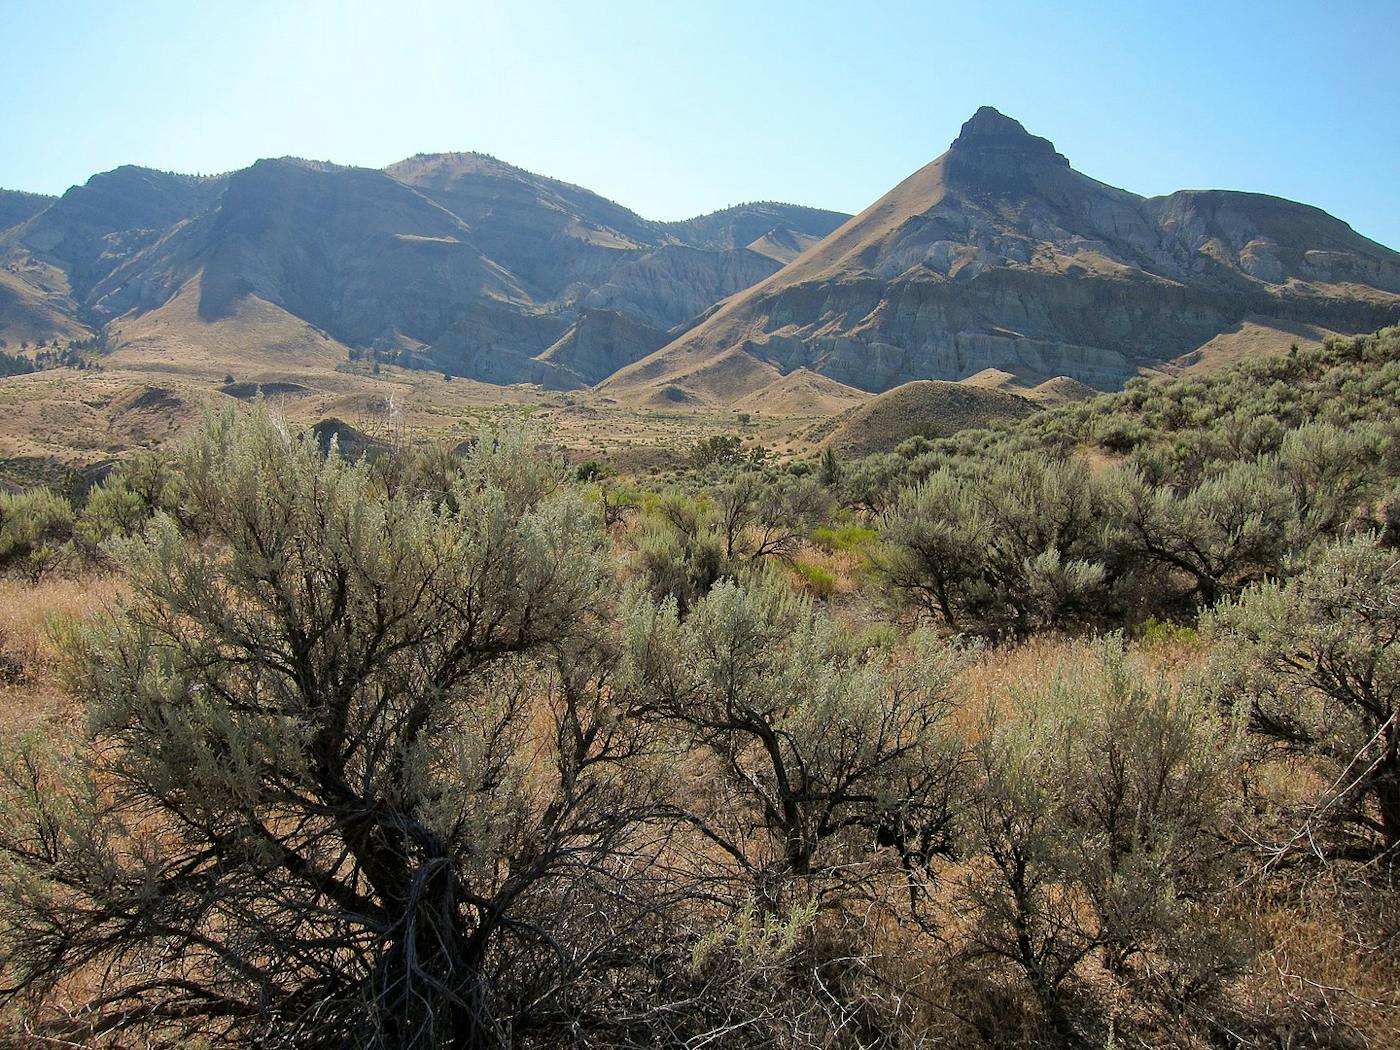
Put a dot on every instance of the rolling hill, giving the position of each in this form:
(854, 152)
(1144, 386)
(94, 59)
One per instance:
(924, 408)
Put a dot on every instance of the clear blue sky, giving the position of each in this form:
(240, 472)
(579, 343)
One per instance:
(678, 109)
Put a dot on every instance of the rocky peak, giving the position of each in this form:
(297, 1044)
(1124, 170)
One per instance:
(990, 133)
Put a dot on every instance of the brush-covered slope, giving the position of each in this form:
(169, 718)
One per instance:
(1000, 255)
(924, 408)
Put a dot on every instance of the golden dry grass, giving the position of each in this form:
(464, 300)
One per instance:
(1252, 338)
(74, 420)
(30, 690)
(1318, 973)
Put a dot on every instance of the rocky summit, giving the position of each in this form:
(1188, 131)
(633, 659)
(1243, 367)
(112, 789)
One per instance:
(999, 255)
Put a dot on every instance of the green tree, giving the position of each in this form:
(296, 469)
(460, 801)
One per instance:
(761, 515)
(680, 552)
(1234, 528)
(718, 450)
(1020, 546)
(840, 758)
(1094, 826)
(139, 488)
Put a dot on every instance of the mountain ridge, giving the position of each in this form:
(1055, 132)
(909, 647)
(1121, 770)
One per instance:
(998, 254)
(458, 261)
(997, 257)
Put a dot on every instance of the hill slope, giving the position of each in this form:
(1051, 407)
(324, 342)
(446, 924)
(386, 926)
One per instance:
(17, 207)
(999, 255)
(924, 408)
(458, 262)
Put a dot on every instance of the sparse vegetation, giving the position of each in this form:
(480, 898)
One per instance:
(1069, 732)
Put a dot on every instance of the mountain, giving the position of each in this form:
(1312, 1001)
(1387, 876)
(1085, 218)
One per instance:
(457, 262)
(741, 225)
(54, 257)
(93, 228)
(17, 206)
(999, 255)
(997, 263)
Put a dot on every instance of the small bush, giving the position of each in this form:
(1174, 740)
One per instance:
(1095, 817)
(35, 530)
(817, 581)
(1155, 632)
(1314, 666)
(590, 470)
(845, 538)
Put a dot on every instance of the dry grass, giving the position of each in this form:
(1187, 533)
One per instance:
(30, 691)
(926, 408)
(73, 420)
(1321, 971)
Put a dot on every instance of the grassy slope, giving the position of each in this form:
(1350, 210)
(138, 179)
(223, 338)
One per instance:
(926, 408)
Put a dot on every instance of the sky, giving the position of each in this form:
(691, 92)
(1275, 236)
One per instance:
(676, 109)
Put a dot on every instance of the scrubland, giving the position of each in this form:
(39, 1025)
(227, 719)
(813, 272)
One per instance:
(1080, 730)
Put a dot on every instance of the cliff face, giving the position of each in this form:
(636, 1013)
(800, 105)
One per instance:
(668, 286)
(1000, 255)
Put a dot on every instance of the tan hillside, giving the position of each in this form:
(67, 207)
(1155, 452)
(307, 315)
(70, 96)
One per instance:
(76, 420)
(925, 408)
(35, 304)
(802, 393)
(1061, 391)
(783, 244)
(994, 379)
(255, 341)
(1252, 337)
